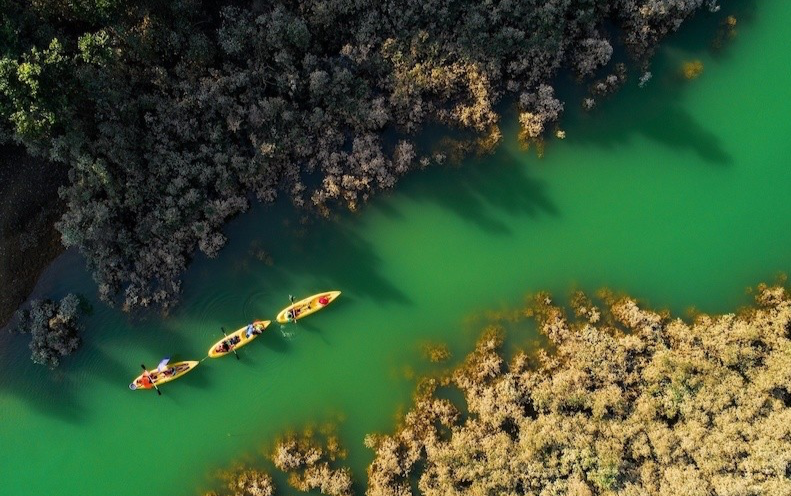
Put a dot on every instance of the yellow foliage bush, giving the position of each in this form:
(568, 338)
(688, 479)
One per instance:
(435, 352)
(633, 402)
(692, 69)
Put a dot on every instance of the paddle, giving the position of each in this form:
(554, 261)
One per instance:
(223, 333)
(159, 393)
(293, 309)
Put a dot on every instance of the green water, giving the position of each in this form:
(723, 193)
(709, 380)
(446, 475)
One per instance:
(677, 194)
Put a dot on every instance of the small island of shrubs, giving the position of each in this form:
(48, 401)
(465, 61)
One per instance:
(53, 328)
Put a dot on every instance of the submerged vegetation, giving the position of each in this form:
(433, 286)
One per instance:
(435, 352)
(309, 463)
(629, 402)
(53, 329)
(169, 116)
(247, 482)
(692, 69)
(309, 459)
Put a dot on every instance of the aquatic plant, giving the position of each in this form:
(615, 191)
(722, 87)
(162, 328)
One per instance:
(309, 464)
(435, 352)
(247, 482)
(692, 69)
(53, 328)
(632, 402)
(727, 32)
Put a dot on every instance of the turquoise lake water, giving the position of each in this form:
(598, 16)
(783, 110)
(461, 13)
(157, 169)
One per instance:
(677, 193)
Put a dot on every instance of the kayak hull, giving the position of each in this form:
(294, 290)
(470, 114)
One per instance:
(237, 339)
(161, 377)
(307, 306)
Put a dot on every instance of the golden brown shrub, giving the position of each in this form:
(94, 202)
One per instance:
(632, 403)
(692, 69)
(307, 460)
(247, 482)
(435, 352)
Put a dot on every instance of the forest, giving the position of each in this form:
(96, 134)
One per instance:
(169, 118)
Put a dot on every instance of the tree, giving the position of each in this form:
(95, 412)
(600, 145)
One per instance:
(53, 328)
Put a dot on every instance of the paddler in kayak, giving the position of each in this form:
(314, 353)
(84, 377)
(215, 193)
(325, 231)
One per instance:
(294, 313)
(148, 382)
(306, 306)
(145, 381)
(228, 344)
(254, 328)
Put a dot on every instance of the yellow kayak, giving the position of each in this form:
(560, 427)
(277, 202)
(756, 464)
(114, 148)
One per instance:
(237, 339)
(309, 305)
(173, 371)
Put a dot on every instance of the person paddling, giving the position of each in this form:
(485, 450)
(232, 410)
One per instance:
(253, 328)
(146, 382)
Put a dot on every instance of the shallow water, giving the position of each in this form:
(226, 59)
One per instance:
(676, 193)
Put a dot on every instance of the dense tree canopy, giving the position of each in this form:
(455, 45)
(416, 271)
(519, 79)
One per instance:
(169, 115)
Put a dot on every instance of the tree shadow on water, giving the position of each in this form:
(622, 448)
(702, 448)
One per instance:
(60, 393)
(49, 392)
(332, 251)
(481, 188)
(657, 112)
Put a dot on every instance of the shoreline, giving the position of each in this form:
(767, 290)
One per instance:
(338, 121)
(29, 241)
